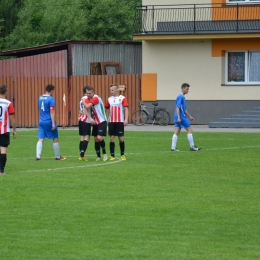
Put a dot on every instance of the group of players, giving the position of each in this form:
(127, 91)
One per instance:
(92, 114)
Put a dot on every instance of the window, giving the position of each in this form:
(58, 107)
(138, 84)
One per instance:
(243, 67)
(242, 1)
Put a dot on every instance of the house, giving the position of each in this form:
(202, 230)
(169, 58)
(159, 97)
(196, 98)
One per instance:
(214, 45)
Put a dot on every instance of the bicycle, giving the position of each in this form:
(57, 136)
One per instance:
(160, 115)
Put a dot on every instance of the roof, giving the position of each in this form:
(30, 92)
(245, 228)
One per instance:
(51, 47)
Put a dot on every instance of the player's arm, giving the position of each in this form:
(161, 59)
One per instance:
(87, 105)
(13, 124)
(52, 112)
(178, 114)
(126, 115)
(188, 114)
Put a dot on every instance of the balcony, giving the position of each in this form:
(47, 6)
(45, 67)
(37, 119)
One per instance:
(197, 19)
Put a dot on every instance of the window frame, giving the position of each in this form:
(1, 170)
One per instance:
(247, 69)
(243, 2)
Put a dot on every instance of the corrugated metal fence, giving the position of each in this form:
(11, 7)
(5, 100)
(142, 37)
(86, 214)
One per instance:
(101, 86)
(27, 77)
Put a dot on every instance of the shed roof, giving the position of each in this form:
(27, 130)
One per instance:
(51, 47)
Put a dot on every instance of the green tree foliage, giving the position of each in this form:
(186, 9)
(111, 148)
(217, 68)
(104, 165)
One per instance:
(109, 19)
(47, 21)
(8, 18)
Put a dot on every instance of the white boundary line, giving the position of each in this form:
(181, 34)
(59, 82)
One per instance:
(71, 167)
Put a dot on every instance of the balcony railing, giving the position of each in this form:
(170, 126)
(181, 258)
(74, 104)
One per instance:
(198, 19)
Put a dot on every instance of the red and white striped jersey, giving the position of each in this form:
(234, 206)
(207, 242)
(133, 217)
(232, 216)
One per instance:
(82, 116)
(116, 105)
(98, 109)
(6, 109)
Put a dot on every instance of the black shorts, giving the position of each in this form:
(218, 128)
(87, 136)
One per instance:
(116, 129)
(84, 128)
(5, 140)
(100, 129)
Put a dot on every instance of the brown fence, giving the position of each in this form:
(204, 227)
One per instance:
(101, 85)
(27, 77)
(24, 93)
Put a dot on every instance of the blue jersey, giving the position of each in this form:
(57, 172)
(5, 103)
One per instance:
(45, 102)
(181, 104)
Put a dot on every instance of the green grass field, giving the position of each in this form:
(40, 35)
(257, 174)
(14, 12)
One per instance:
(155, 205)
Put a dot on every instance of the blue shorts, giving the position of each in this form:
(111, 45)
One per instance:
(185, 123)
(44, 130)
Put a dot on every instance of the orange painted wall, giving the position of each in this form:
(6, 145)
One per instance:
(219, 46)
(231, 12)
(149, 87)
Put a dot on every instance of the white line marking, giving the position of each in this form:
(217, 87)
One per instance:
(71, 167)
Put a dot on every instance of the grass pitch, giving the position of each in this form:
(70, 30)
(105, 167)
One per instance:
(155, 205)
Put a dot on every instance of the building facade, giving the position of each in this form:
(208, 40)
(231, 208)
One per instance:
(212, 45)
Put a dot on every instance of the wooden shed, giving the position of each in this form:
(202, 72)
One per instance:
(69, 66)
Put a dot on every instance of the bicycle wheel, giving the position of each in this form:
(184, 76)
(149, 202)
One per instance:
(139, 117)
(162, 117)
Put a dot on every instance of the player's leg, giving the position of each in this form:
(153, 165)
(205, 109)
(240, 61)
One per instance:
(111, 132)
(96, 142)
(4, 142)
(175, 137)
(41, 136)
(190, 139)
(102, 131)
(84, 139)
(120, 134)
(53, 134)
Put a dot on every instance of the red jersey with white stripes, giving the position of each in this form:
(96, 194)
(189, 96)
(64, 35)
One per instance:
(82, 116)
(6, 109)
(98, 109)
(116, 105)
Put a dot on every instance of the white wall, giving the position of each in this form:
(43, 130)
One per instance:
(176, 62)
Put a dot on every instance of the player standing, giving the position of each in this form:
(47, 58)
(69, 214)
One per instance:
(181, 120)
(84, 126)
(47, 127)
(99, 122)
(118, 119)
(6, 117)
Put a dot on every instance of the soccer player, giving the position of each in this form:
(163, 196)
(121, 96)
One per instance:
(118, 119)
(99, 121)
(47, 127)
(6, 117)
(181, 120)
(84, 126)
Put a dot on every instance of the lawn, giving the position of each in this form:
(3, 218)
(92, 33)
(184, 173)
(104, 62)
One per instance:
(157, 204)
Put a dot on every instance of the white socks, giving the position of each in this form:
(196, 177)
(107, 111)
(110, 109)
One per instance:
(39, 149)
(174, 141)
(56, 149)
(190, 139)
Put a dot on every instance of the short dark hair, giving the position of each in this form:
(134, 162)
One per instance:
(86, 88)
(89, 88)
(3, 89)
(49, 88)
(114, 84)
(184, 85)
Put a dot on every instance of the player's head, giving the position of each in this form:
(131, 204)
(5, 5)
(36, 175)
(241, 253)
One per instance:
(49, 88)
(114, 89)
(3, 90)
(85, 89)
(185, 88)
(89, 91)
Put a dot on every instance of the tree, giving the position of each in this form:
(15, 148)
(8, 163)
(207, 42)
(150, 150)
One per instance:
(47, 21)
(109, 19)
(8, 17)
